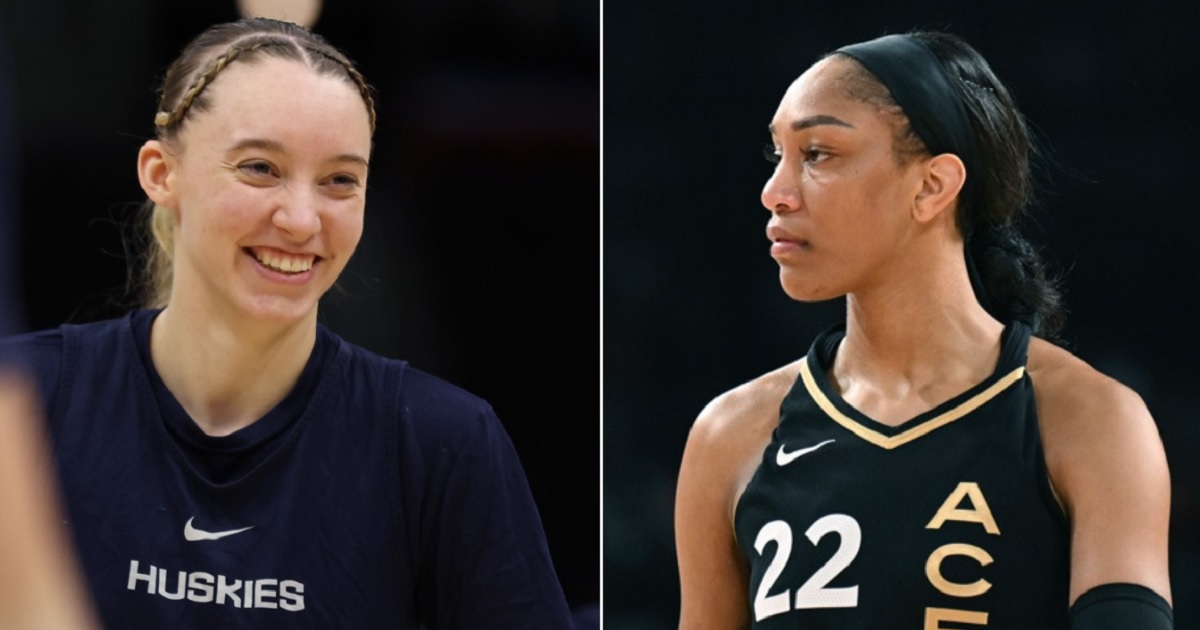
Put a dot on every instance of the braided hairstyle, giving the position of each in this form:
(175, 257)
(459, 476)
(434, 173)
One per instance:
(1016, 282)
(182, 95)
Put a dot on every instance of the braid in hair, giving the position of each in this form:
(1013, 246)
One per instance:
(361, 82)
(273, 37)
(169, 119)
(1018, 283)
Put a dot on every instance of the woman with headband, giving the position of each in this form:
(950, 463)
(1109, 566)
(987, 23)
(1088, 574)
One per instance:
(226, 461)
(935, 461)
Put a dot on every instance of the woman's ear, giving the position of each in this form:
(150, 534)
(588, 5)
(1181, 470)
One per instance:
(943, 179)
(156, 173)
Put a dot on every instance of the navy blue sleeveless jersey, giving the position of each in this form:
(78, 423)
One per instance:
(945, 521)
(373, 496)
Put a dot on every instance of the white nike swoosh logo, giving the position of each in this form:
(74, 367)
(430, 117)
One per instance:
(783, 458)
(193, 534)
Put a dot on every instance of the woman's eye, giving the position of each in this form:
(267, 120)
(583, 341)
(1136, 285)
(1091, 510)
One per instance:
(815, 155)
(772, 153)
(256, 168)
(344, 180)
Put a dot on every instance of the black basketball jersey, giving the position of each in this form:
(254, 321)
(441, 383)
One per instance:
(947, 521)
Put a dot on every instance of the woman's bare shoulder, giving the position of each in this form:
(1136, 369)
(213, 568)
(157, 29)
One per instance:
(1070, 390)
(1096, 430)
(749, 408)
(725, 445)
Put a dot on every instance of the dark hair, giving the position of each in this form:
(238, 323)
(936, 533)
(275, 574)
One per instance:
(182, 94)
(1016, 282)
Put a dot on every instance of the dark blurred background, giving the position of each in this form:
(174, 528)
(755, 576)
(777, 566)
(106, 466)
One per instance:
(692, 304)
(480, 259)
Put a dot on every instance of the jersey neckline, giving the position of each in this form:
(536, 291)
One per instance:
(227, 460)
(814, 377)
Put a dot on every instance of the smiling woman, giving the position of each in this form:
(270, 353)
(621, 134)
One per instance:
(278, 186)
(228, 461)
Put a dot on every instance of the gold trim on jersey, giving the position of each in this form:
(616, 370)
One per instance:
(890, 442)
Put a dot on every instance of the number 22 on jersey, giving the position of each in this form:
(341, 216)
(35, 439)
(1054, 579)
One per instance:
(815, 592)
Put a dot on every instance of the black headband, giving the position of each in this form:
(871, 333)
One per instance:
(926, 93)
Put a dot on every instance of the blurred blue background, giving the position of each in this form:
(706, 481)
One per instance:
(480, 261)
(692, 304)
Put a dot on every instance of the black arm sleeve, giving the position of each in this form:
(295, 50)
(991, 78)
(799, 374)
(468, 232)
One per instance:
(1121, 607)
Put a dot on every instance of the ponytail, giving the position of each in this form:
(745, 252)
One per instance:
(1014, 283)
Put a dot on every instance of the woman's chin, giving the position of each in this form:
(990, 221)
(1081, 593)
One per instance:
(278, 308)
(806, 290)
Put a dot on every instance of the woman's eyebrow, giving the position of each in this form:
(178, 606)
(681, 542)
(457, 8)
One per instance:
(814, 121)
(277, 147)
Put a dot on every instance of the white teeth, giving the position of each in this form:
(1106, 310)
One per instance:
(284, 263)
